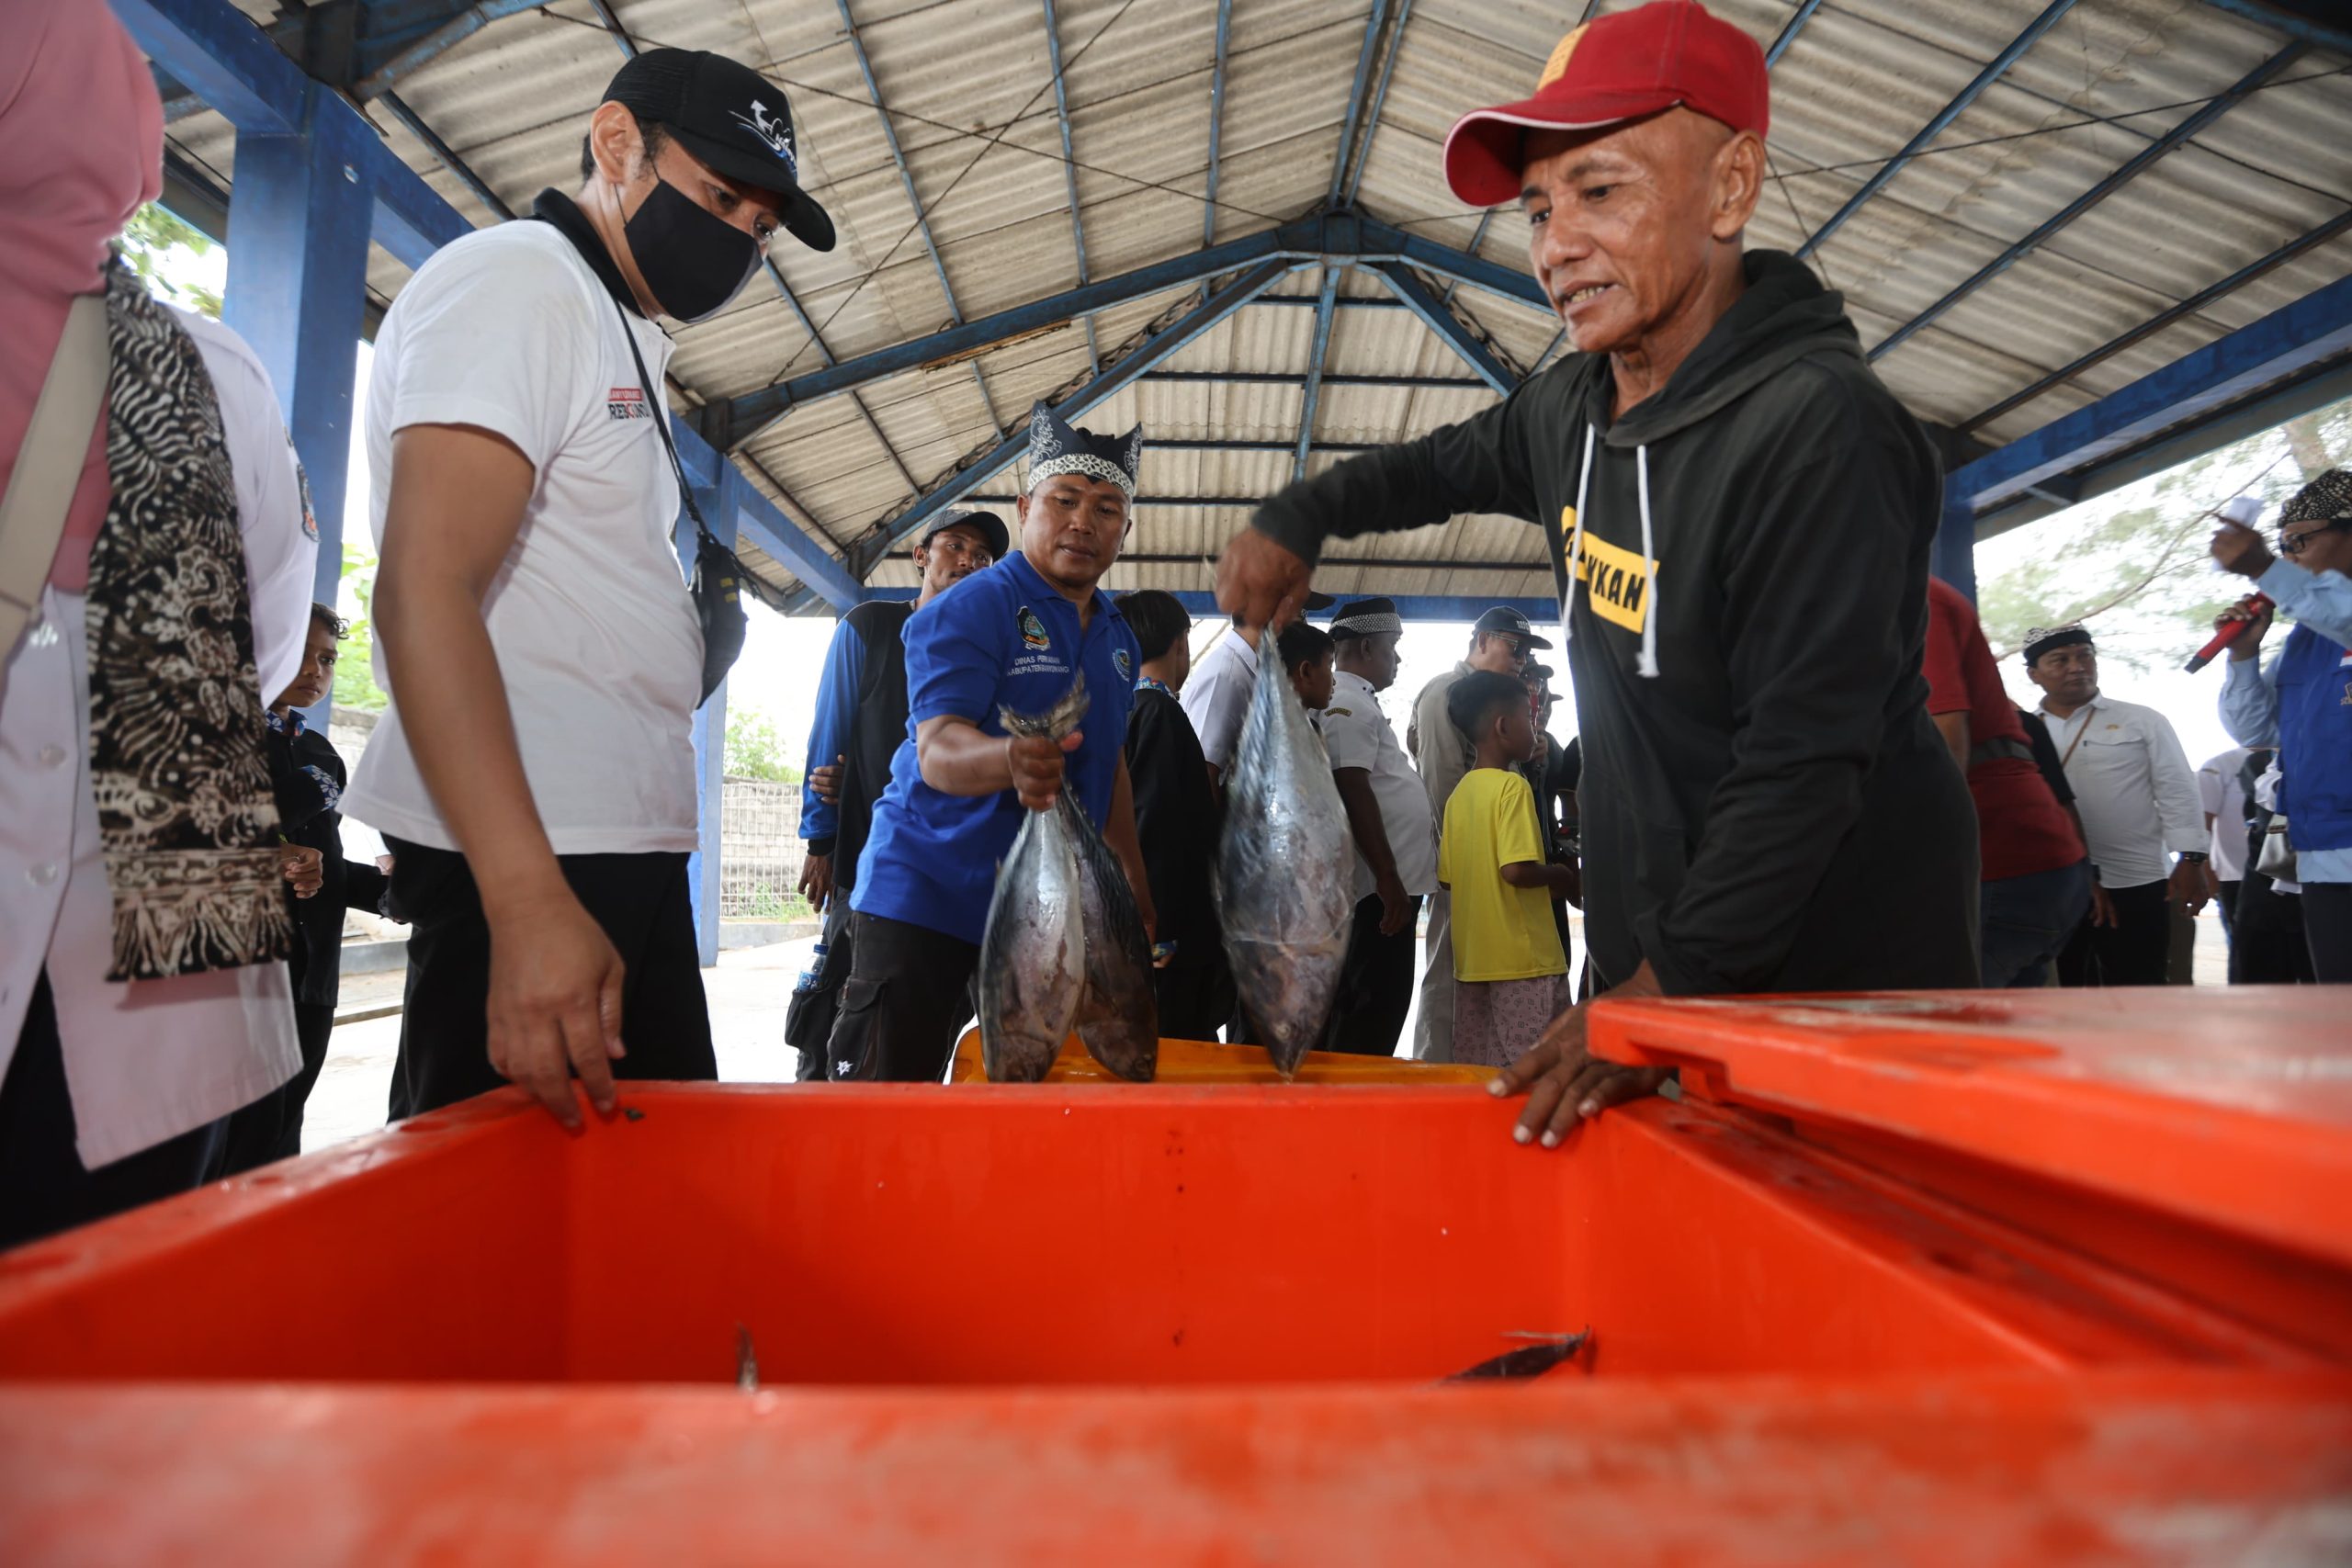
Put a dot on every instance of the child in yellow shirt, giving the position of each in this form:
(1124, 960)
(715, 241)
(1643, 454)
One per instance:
(1510, 973)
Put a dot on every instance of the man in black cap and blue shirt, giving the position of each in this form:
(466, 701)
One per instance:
(1014, 637)
(1389, 816)
(1738, 516)
(860, 723)
(534, 775)
(1500, 642)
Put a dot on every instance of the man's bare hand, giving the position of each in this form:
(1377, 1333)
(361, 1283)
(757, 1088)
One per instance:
(826, 781)
(2185, 889)
(1395, 904)
(2241, 549)
(303, 868)
(555, 1004)
(2102, 907)
(817, 880)
(1563, 1085)
(1037, 762)
(2250, 641)
(1259, 583)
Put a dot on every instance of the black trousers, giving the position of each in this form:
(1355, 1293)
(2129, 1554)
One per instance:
(809, 1019)
(2267, 946)
(270, 1129)
(2327, 925)
(642, 902)
(44, 1188)
(1193, 1002)
(2135, 951)
(2227, 902)
(1376, 982)
(907, 997)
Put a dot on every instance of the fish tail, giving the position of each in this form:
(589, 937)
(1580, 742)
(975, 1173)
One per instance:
(1056, 721)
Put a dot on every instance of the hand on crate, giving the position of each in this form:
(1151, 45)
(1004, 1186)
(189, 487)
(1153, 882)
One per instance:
(555, 1004)
(1563, 1085)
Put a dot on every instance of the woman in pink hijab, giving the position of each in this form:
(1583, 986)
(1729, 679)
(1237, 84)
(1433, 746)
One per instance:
(143, 927)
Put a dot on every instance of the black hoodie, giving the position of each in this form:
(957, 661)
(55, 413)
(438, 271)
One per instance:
(1766, 806)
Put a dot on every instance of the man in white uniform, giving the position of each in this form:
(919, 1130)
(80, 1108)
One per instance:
(2138, 805)
(534, 775)
(2222, 795)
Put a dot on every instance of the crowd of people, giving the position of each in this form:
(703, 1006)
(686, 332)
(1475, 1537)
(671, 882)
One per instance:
(1790, 742)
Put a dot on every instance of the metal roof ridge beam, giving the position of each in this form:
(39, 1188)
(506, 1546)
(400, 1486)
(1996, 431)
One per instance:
(1323, 314)
(899, 157)
(1070, 168)
(1379, 101)
(2288, 341)
(2280, 19)
(2221, 104)
(866, 555)
(1938, 122)
(1355, 100)
(1217, 120)
(742, 418)
(1789, 33)
(2306, 241)
(1477, 242)
(1434, 313)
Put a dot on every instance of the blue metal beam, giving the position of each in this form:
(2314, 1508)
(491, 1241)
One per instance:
(2308, 239)
(2290, 342)
(433, 44)
(1379, 101)
(1070, 170)
(1217, 122)
(914, 199)
(2221, 104)
(1336, 237)
(1314, 372)
(866, 555)
(751, 513)
(223, 58)
(2320, 23)
(457, 166)
(1477, 243)
(1422, 302)
(1938, 122)
(1355, 100)
(1789, 33)
(1420, 608)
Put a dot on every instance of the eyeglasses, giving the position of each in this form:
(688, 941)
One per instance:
(2295, 543)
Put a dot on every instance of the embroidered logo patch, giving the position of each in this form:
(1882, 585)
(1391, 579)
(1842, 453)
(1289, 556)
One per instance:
(1033, 631)
(1119, 661)
(1556, 67)
(1618, 591)
(628, 402)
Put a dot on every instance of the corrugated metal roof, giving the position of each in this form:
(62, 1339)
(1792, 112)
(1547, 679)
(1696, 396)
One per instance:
(969, 94)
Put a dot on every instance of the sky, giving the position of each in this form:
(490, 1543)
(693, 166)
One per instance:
(781, 657)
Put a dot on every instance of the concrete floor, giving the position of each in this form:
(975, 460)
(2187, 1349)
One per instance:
(749, 992)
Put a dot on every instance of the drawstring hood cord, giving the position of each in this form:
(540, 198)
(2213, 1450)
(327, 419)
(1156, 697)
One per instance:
(1647, 664)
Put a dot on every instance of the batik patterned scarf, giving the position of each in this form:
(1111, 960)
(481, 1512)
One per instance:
(185, 817)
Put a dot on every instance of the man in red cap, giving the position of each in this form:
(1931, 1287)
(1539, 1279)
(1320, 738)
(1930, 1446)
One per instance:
(1747, 510)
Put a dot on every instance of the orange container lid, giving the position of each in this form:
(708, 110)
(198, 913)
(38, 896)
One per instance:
(2233, 1107)
(1207, 1062)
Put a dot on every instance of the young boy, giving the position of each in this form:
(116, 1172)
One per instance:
(1305, 653)
(1511, 972)
(1176, 822)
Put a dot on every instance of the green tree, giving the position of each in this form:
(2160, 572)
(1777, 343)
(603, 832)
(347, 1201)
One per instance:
(755, 749)
(150, 243)
(354, 670)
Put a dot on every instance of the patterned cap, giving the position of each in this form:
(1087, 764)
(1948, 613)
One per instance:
(2043, 640)
(1057, 447)
(2326, 499)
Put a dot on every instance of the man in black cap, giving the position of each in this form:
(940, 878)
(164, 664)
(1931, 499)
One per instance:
(534, 775)
(861, 722)
(1388, 814)
(1013, 638)
(1499, 642)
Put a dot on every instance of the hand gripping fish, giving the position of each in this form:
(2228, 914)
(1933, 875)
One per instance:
(1285, 872)
(1118, 1016)
(1033, 952)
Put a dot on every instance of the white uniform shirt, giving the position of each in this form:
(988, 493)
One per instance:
(2222, 795)
(148, 1061)
(1358, 735)
(508, 329)
(2133, 787)
(1216, 697)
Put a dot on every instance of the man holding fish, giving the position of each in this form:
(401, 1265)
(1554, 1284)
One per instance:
(1748, 512)
(1017, 639)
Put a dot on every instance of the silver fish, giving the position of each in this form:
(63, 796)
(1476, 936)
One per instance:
(1285, 872)
(1119, 1015)
(1033, 951)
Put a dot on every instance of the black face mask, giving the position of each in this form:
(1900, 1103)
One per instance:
(693, 261)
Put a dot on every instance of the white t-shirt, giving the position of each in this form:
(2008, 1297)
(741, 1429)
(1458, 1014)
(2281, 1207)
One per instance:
(2219, 791)
(1216, 697)
(1358, 735)
(596, 635)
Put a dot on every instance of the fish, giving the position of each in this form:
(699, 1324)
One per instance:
(1529, 1361)
(1033, 950)
(1118, 1016)
(1285, 875)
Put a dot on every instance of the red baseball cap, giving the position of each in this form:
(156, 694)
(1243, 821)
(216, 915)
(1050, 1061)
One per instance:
(1613, 69)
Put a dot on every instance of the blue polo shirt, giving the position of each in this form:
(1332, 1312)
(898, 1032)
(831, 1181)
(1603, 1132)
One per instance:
(1003, 637)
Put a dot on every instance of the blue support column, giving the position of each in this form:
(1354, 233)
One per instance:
(722, 503)
(299, 223)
